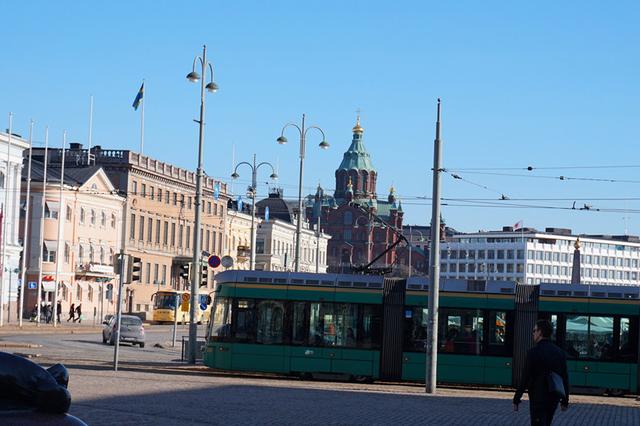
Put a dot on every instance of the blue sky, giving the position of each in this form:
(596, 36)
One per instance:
(534, 83)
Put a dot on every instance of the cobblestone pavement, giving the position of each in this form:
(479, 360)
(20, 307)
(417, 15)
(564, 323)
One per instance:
(148, 396)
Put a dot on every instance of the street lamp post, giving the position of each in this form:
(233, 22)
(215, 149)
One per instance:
(411, 246)
(324, 145)
(212, 87)
(253, 190)
(369, 235)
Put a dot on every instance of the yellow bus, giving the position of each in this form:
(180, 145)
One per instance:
(164, 304)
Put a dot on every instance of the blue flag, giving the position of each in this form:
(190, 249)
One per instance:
(138, 99)
(216, 191)
(239, 203)
(266, 214)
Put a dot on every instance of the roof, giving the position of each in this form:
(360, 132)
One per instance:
(72, 176)
(278, 207)
(356, 157)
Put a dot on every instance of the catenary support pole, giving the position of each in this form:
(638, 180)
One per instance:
(432, 346)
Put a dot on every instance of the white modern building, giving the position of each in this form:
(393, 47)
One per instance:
(530, 256)
(11, 151)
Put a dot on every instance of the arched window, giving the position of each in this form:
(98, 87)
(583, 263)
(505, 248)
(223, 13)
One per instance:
(348, 218)
(365, 181)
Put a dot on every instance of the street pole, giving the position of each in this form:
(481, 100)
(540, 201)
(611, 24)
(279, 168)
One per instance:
(318, 245)
(300, 213)
(175, 320)
(44, 201)
(5, 212)
(9, 298)
(25, 239)
(197, 255)
(254, 184)
(122, 277)
(60, 234)
(432, 342)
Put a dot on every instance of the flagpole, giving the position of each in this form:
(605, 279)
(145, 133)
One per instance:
(61, 241)
(142, 121)
(90, 130)
(44, 200)
(3, 233)
(26, 261)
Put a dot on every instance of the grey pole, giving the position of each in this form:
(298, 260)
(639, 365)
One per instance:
(318, 245)
(300, 212)
(44, 200)
(254, 184)
(197, 255)
(4, 221)
(175, 320)
(60, 235)
(25, 239)
(432, 346)
(116, 349)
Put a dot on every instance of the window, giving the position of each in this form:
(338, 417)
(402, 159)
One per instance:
(151, 192)
(181, 200)
(220, 327)
(208, 207)
(132, 231)
(164, 275)
(175, 198)
(158, 231)
(50, 210)
(144, 190)
(93, 217)
(333, 324)
(147, 277)
(461, 331)
(102, 255)
(82, 215)
(48, 252)
(134, 187)
(347, 218)
(81, 253)
(180, 231)
(160, 194)
(173, 234)
(69, 213)
(103, 219)
(91, 253)
(188, 242)
(589, 337)
(156, 270)
(113, 220)
(150, 230)
(416, 326)
(259, 246)
(190, 202)
(141, 230)
(67, 252)
(207, 241)
(270, 322)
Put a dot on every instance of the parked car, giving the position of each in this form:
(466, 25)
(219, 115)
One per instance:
(131, 331)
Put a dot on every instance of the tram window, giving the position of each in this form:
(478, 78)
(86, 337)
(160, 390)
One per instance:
(497, 327)
(371, 327)
(625, 344)
(554, 326)
(270, 322)
(245, 322)
(589, 337)
(416, 324)
(221, 324)
(461, 331)
(299, 332)
(333, 324)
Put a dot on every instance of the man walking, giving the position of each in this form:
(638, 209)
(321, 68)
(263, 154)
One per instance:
(545, 361)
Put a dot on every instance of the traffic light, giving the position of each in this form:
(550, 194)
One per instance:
(135, 269)
(204, 279)
(185, 269)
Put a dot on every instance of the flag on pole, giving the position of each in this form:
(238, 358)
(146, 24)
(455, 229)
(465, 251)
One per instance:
(266, 214)
(216, 191)
(518, 225)
(138, 99)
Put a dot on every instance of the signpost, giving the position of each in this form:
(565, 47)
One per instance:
(214, 261)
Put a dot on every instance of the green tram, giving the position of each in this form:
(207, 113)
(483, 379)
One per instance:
(372, 328)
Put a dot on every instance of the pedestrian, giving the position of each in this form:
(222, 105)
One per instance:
(79, 313)
(58, 310)
(72, 312)
(47, 313)
(545, 377)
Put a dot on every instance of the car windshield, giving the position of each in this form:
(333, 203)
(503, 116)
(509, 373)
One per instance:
(131, 321)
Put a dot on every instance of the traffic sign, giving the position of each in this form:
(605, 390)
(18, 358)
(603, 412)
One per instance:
(213, 261)
(203, 306)
(227, 261)
(32, 285)
(185, 297)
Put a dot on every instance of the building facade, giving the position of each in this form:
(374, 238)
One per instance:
(73, 237)
(238, 237)
(11, 151)
(159, 216)
(530, 256)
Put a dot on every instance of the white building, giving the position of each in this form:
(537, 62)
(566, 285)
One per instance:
(531, 257)
(275, 247)
(11, 150)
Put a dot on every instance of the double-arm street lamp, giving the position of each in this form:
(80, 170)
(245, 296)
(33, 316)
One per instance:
(212, 87)
(253, 190)
(370, 225)
(411, 246)
(324, 145)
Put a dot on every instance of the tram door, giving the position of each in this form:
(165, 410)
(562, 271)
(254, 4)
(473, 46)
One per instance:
(525, 319)
(392, 331)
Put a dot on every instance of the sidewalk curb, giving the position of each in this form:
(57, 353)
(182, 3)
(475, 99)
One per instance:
(19, 345)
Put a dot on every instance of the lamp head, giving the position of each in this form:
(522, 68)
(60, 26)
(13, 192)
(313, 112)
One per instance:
(193, 77)
(273, 176)
(235, 175)
(324, 144)
(282, 140)
(212, 87)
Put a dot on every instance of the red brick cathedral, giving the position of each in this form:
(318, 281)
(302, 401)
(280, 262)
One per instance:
(356, 237)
